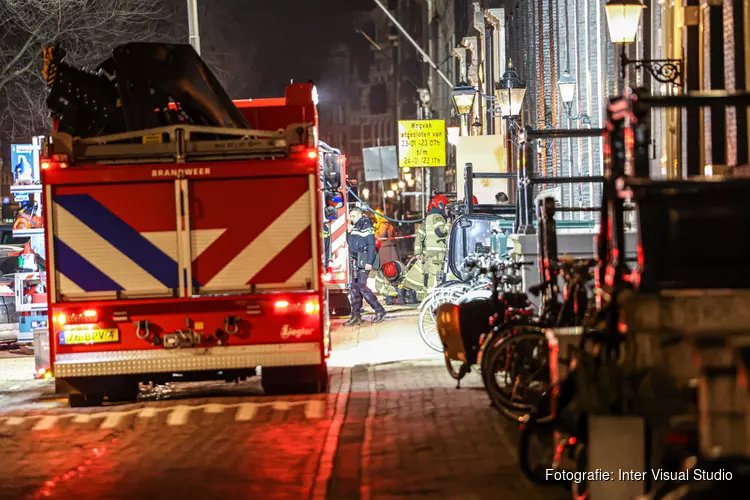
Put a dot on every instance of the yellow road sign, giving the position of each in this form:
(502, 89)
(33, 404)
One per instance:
(421, 143)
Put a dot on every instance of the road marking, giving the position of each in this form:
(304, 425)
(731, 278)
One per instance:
(314, 409)
(45, 423)
(320, 487)
(281, 405)
(112, 419)
(213, 408)
(246, 412)
(365, 492)
(148, 413)
(179, 415)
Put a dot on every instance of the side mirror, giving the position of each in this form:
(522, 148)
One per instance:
(332, 172)
(334, 199)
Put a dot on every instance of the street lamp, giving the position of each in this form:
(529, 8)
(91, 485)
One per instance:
(463, 96)
(623, 18)
(510, 92)
(566, 85)
(476, 128)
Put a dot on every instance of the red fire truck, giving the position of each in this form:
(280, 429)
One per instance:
(190, 253)
(336, 271)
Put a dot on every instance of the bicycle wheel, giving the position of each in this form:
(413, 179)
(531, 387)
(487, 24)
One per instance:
(537, 450)
(517, 371)
(428, 327)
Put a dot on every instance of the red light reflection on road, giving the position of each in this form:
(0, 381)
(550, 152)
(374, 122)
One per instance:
(48, 488)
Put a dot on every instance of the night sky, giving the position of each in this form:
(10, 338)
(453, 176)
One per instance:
(265, 43)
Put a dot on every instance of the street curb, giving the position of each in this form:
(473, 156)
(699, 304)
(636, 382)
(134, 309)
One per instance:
(325, 468)
(346, 478)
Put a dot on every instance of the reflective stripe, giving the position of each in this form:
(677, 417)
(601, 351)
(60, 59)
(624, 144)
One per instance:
(417, 283)
(366, 232)
(438, 249)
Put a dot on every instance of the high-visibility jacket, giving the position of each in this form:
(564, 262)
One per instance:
(432, 236)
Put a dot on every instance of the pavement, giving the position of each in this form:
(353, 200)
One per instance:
(393, 426)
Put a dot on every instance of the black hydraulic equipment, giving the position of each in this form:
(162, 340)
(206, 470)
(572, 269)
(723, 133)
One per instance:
(141, 86)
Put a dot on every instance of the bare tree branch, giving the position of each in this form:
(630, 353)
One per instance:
(88, 29)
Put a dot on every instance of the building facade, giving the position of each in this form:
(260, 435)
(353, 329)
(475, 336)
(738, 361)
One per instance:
(473, 41)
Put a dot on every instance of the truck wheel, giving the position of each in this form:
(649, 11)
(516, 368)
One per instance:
(295, 380)
(125, 392)
(78, 400)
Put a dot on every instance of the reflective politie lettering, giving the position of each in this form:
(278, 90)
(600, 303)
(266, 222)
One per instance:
(289, 332)
(180, 172)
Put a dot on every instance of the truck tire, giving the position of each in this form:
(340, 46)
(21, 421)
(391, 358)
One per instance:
(79, 400)
(295, 380)
(123, 392)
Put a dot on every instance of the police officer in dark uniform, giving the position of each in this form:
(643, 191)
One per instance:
(362, 252)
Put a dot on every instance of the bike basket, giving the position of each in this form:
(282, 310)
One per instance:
(693, 234)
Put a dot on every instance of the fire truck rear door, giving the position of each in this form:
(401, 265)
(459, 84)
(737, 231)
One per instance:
(253, 234)
(114, 240)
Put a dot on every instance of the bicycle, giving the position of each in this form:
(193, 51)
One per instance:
(464, 328)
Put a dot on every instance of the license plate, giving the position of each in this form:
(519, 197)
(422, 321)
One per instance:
(103, 336)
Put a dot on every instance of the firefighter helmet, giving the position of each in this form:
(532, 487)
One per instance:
(439, 202)
(391, 270)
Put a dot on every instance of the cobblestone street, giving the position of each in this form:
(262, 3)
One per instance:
(393, 426)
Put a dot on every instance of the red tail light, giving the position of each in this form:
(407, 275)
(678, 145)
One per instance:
(312, 307)
(281, 305)
(57, 161)
(84, 317)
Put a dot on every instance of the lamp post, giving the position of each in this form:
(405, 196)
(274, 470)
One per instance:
(454, 130)
(623, 18)
(463, 96)
(510, 92)
(566, 86)
(476, 127)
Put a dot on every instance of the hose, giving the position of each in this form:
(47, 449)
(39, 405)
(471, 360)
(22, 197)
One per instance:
(368, 207)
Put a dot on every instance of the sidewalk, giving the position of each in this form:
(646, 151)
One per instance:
(409, 433)
(395, 339)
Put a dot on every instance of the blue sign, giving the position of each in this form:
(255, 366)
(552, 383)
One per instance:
(24, 164)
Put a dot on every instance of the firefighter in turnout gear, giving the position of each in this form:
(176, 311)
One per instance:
(388, 284)
(361, 242)
(430, 247)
